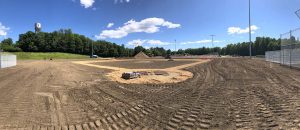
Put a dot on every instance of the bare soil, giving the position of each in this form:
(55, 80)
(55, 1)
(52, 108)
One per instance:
(172, 69)
(223, 94)
(36, 93)
(146, 64)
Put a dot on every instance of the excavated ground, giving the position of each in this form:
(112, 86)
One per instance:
(223, 94)
(153, 71)
(146, 64)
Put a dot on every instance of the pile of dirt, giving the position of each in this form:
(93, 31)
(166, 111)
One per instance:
(141, 55)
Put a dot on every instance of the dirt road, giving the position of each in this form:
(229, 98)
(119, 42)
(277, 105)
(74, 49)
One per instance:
(223, 94)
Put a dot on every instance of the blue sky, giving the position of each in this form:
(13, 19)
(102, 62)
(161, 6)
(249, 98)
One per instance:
(152, 23)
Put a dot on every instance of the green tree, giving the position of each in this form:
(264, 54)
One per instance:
(8, 45)
(139, 49)
(7, 42)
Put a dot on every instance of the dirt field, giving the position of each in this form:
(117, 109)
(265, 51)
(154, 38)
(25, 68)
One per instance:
(154, 71)
(146, 64)
(223, 94)
(36, 93)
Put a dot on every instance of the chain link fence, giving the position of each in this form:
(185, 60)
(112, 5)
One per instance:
(290, 50)
(273, 56)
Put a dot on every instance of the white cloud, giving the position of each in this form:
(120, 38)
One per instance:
(140, 42)
(3, 30)
(157, 42)
(121, 1)
(201, 42)
(87, 3)
(109, 25)
(238, 30)
(149, 25)
(136, 43)
(171, 25)
(112, 34)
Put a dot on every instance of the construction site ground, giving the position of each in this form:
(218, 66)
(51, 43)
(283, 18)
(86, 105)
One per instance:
(153, 71)
(146, 64)
(231, 93)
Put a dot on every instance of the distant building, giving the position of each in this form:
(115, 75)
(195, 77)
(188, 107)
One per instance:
(141, 55)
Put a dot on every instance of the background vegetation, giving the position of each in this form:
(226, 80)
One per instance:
(66, 41)
(47, 55)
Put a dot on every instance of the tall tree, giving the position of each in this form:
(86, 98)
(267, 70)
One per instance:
(139, 49)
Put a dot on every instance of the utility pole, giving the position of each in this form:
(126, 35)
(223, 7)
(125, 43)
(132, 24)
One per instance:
(250, 40)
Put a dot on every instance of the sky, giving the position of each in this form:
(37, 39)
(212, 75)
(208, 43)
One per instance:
(152, 23)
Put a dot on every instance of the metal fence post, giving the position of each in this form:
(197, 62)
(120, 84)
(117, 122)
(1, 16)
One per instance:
(290, 48)
(280, 57)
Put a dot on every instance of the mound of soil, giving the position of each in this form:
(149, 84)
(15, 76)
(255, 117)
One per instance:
(141, 55)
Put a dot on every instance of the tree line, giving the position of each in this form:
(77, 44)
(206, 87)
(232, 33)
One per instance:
(64, 40)
(259, 47)
(9, 46)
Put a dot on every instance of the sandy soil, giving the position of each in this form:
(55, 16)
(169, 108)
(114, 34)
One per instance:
(223, 94)
(174, 69)
(146, 64)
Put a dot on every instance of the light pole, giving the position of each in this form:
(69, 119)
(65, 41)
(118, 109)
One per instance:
(212, 40)
(212, 43)
(250, 44)
(92, 47)
(175, 47)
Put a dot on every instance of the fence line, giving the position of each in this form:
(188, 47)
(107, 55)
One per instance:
(290, 50)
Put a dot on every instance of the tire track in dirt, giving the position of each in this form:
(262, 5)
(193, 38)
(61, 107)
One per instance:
(196, 110)
(28, 97)
(16, 104)
(223, 94)
(274, 109)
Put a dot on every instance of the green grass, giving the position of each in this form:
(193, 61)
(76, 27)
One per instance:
(48, 55)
